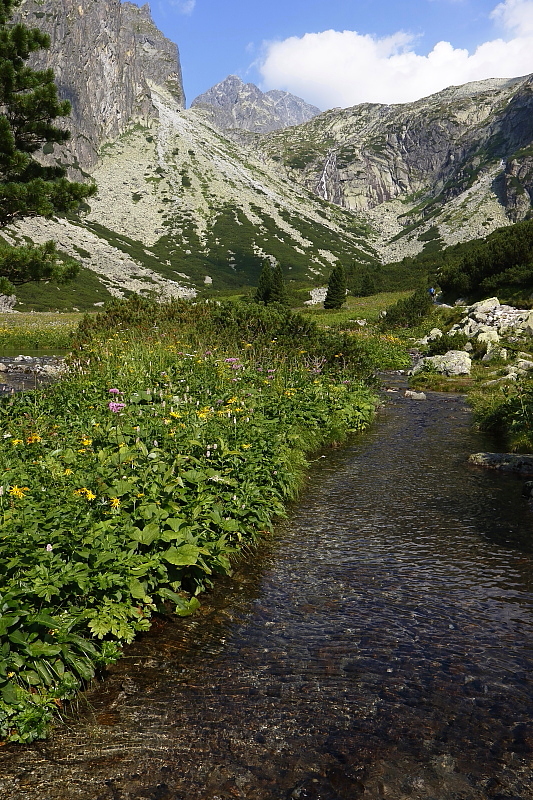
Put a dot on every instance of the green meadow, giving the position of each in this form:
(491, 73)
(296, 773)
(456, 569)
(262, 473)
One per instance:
(175, 440)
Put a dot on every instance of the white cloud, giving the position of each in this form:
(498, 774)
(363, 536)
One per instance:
(515, 16)
(184, 6)
(342, 68)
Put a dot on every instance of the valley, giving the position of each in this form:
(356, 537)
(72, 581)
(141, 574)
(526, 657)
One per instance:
(191, 202)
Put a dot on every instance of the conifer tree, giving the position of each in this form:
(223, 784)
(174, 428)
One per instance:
(336, 294)
(277, 291)
(368, 285)
(28, 106)
(264, 284)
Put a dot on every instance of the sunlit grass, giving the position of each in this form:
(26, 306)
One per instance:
(368, 308)
(37, 331)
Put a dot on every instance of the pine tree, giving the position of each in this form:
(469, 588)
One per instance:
(28, 106)
(277, 292)
(264, 284)
(336, 294)
(368, 285)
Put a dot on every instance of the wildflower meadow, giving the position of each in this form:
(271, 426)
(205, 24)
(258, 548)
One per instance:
(174, 440)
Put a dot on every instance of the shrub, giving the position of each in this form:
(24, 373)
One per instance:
(446, 342)
(409, 311)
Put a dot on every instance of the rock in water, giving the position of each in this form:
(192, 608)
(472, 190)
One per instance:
(522, 464)
(454, 362)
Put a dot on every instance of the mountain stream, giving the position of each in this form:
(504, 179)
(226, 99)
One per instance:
(379, 645)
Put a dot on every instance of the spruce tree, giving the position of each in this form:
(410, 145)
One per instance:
(336, 294)
(264, 284)
(28, 106)
(277, 292)
(368, 285)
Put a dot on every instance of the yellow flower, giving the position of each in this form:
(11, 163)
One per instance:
(17, 441)
(86, 441)
(175, 414)
(246, 446)
(33, 438)
(19, 491)
(67, 472)
(84, 492)
(115, 502)
(232, 400)
(82, 450)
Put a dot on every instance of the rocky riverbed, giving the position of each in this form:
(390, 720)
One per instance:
(25, 372)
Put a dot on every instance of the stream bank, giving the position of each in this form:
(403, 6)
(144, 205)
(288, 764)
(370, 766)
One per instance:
(379, 645)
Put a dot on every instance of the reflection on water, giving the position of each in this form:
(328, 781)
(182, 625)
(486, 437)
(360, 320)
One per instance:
(379, 647)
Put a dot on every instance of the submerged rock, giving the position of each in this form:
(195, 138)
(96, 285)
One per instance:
(520, 463)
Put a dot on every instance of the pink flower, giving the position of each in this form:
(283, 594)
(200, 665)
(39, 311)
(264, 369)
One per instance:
(116, 407)
(114, 391)
(48, 548)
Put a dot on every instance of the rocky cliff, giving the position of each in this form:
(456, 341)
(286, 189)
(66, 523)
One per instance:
(105, 55)
(462, 157)
(233, 104)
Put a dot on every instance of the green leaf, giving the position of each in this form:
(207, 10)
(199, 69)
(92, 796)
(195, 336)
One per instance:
(42, 618)
(83, 666)
(17, 637)
(6, 622)
(192, 605)
(44, 672)
(69, 456)
(148, 534)
(137, 589)
(99, 627)
(184, 556)
(120, 488)
(9, 693)
(38, 648)
(176, 523)
(194, 476)
(30, 676)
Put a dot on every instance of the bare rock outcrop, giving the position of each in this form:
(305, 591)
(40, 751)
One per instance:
(104, 55)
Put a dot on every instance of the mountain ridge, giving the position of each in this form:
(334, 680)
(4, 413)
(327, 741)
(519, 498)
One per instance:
(231, 104)
(185, 207)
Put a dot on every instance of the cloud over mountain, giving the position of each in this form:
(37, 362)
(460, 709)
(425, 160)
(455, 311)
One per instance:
(343, 68)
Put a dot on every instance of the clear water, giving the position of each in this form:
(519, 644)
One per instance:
(379, 646)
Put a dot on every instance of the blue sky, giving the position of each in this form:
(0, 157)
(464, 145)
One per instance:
(340, 52)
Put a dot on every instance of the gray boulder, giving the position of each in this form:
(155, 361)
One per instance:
(521, 464)
(454, 362)
(484, 306)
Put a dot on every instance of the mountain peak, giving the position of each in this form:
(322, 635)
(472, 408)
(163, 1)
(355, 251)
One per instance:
(234, 104)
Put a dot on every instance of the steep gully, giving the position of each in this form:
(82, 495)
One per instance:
(378, 646)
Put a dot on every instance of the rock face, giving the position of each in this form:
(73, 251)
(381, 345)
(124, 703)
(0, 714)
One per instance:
(234, 104)
(466, 151)
(104, 55)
